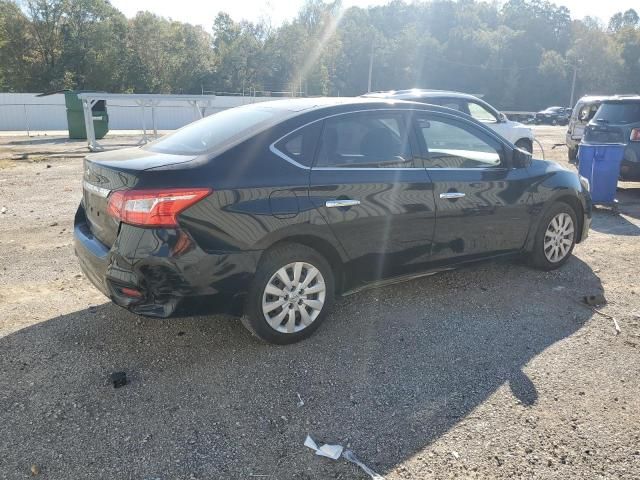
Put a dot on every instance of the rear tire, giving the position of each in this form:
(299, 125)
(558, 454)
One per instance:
(290, 295)
(555, 238)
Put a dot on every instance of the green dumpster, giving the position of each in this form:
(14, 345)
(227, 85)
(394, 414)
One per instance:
(75, 116)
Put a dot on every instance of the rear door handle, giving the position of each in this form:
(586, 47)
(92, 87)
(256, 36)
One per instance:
(341, 203)
(452, 195)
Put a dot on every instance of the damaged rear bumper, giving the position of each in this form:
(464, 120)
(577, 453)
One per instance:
(152, 272)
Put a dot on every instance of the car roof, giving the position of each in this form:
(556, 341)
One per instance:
(594, 98)
(603, 98)
(419, 93)
(289, 108)
(622, 99)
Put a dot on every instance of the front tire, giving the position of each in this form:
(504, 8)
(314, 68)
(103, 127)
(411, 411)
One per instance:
(291, 293)
(555, 238)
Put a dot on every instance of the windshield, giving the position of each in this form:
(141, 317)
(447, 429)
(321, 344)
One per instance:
(619, 112)
(215, 131)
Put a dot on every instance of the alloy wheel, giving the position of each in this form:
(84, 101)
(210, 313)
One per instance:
(559, 237)
(293, 297)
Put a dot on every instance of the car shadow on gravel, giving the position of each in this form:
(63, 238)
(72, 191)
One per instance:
(390, 372)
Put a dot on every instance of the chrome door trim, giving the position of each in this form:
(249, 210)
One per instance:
(278, 153)
(338, 169)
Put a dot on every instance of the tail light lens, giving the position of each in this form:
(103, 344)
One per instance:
(153, 208)
(635, 135)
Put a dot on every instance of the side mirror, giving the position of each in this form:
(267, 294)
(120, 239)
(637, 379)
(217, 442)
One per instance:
(502, 118)
(520, 158)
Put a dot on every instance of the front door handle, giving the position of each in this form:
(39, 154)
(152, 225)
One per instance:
(452, 195)
(341, 203)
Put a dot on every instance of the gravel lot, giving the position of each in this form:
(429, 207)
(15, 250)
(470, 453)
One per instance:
(492, 371)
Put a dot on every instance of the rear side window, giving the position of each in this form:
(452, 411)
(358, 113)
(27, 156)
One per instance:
(369, 140)
(587, 112)
(619, 112)
(215, 131)
(451, 146)
(300, 146)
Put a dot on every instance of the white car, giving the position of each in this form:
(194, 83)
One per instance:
(517, 133)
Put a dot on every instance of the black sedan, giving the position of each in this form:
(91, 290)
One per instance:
(278, 207)
(553, 116)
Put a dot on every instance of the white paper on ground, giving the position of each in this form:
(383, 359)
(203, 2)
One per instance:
(330, 451)
(310, 443)
(335, 451)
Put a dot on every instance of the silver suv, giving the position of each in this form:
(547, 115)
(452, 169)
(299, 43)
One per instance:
(582, 114)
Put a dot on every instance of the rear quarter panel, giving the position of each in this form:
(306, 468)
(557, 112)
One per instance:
(258, 200)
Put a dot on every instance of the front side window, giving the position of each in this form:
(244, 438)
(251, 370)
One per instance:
(451, 146)
(365, 140)
(481, 114)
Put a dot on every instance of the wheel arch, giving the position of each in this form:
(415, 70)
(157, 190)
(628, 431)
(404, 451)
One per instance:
(323, 246)
(565, 196)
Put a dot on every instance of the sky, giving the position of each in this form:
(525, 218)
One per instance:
(201, 12)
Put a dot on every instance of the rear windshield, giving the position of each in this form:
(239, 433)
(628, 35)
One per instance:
(216, 131)
(619, 112)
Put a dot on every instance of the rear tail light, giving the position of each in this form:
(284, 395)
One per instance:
(153, 208)
(635, 135)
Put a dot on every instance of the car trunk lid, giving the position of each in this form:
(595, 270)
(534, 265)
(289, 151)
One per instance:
(107, 172)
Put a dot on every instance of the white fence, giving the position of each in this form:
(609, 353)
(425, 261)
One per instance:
(28, 113)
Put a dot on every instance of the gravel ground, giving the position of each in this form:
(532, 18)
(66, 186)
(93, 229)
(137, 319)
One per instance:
(492, 371)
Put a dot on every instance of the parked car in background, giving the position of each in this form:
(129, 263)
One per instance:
(517, 133)
(282, 205)
(618, 121)
(553, 116)
(581, 115)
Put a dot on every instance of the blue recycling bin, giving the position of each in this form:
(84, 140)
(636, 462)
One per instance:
(600, 164)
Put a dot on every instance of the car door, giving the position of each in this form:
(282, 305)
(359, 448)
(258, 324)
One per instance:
(376, 200)
(481, 202)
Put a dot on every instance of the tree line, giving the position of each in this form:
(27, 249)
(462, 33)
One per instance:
(520, 55)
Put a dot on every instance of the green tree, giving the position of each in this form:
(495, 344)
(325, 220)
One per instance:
(45, 26)
(620, 20)
(165, 56)
(16, 49)
(239, 48)
(520, 54)
(93, 38)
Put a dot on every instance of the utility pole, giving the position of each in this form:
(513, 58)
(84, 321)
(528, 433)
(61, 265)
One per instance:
(370, 68)
(573, 84)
